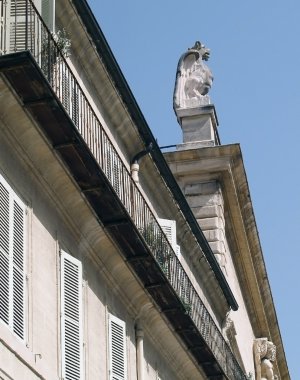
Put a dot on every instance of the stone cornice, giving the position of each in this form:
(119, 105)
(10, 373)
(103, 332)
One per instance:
(225, 163)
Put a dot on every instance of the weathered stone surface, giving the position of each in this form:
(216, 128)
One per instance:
(211, 223)
(197, 128)
(205, 200)
(214, 235)
(217, 247)
(199, 125)
(207, 211)
(201, 188)
(221, 259)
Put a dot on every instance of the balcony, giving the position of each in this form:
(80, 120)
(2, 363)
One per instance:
(33, 63)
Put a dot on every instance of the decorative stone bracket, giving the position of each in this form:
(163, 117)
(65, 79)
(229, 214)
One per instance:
(264, 356)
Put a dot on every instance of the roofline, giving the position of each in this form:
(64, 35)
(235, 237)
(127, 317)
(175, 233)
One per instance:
(236, 172)
(112, 67)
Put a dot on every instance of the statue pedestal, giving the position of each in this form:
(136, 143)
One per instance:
(199, 127)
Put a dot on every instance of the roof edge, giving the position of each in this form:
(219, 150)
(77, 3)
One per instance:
(112, 67)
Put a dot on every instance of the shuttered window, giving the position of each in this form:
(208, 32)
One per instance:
(117, 349)
(17, 25)
(169, 228)
(71, 317)
(68, 93)
(12, 259)
(17, 12)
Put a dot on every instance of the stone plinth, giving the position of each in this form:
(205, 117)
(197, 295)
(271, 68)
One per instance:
(199, 127)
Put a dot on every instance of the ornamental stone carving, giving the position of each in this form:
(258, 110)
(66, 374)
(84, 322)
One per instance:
(264, 357)
(193, 79)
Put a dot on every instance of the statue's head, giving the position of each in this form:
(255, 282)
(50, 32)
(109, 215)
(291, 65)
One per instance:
(203, 51)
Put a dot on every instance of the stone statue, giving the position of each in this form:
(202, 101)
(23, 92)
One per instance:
(193, 79)
(264, 356)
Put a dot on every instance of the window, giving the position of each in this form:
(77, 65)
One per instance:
(21, 16)
(169, 228)
(68, 92)
(71, 317)
(117, 349)
(24, 29)
(12, 260)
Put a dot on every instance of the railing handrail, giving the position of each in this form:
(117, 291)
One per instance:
(47, 52)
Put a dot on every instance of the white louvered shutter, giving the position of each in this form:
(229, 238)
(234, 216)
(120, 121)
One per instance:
(16, 12)
(17, 30)
(18, 272)
(71, 317)
(4, 254)
(169, 228)
(68, 92)
(12, 259)
(117, 349)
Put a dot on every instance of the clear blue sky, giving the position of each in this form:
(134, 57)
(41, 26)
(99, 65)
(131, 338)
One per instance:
(255, 59)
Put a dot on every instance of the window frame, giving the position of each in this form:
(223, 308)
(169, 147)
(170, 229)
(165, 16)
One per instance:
(64, 256)
(16, 265)
(169, 228)
(122, 325)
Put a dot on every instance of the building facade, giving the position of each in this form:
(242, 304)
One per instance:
(117, 262)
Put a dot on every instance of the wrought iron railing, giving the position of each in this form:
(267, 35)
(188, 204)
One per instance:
(22, 28)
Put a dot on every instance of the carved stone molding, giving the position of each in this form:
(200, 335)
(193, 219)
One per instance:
(229, 332)
(264, 356)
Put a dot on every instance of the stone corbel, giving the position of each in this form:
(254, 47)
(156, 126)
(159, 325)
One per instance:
(229, 332)
(264, 353)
